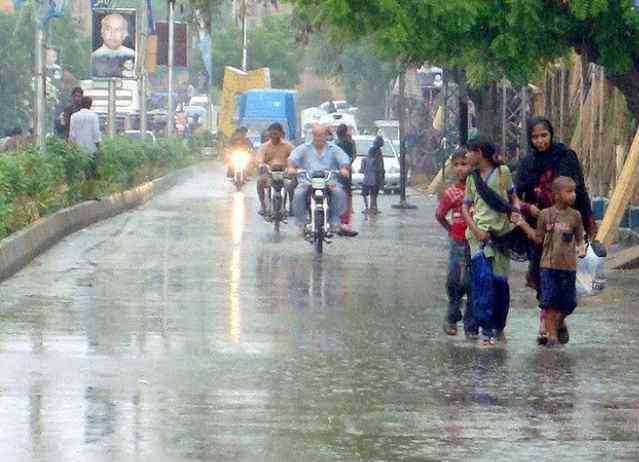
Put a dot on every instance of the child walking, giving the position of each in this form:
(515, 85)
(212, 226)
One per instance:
(489, 194)
(373, 169)
(561, 233)
(458, 280)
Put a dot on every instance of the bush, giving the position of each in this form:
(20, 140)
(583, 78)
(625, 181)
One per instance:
(36, 182)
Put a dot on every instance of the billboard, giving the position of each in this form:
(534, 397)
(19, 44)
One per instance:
(179, 44)
(113, 47)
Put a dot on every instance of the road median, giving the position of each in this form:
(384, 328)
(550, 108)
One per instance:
(20, 248)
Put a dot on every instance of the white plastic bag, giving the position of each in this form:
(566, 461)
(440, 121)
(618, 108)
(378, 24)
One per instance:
(591, 274)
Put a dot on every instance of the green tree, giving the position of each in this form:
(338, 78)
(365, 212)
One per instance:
(271, 44)
(364, 74)
(16, 37)
(491, 38)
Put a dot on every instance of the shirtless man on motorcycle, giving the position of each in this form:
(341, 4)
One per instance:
(274, 153)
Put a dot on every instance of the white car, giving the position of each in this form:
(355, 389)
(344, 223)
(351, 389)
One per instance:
(391, 163)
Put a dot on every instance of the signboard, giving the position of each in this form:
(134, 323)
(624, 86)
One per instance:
(113, 48)
(179, 44)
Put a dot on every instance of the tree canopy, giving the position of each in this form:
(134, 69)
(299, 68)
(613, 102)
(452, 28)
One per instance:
(365, 75)
(490, 38)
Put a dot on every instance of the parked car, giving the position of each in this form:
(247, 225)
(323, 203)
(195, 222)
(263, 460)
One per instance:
(391, 163)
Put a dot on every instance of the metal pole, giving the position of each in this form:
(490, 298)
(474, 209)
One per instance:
(111, 108)
(464, 120)
(143, 120)
(170, 123)
(40, 100)
(553, 89)
(142, 69)
(504, 114)
(562, 101)
(402, 144)
(244, 38)
(602, 99)
(445, 106)
(523, 142)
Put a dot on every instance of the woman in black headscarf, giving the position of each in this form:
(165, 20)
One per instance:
(535, 174)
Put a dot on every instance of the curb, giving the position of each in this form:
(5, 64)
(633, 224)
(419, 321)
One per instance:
(19, 249)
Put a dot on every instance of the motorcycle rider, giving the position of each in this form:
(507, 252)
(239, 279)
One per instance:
(238, 141)
(319, 155)
(274, 153)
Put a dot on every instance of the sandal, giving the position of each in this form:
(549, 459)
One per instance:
(450, 329)
(488, 342)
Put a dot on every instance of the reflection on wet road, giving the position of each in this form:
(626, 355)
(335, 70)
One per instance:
(188, 331)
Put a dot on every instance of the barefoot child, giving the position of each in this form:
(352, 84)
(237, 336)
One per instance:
(489, 192)
(457, 283)
(560, 230)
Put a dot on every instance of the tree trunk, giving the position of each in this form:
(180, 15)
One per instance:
(487, 106)
(628, 85)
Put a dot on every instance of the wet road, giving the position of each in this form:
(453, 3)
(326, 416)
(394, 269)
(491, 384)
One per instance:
(186, 331)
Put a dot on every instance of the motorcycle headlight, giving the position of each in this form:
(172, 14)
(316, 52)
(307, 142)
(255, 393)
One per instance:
(240, 159)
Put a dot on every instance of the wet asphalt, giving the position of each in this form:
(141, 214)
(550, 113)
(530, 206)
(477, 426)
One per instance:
(188, 331)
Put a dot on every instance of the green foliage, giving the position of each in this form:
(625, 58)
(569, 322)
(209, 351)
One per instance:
(16, 55)
(364, 74)
(489, 38)
(16, 39)
(75, 46)
(272, 45)
(36, 182)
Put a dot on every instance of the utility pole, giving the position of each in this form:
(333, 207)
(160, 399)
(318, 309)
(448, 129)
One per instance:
(403, 204)
(170, 123)
(463, 107)
(142, 68)
(523, 141)
(244, 38)
(39, 107)
(111, 108)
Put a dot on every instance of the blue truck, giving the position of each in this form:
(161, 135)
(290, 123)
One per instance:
(257, 109)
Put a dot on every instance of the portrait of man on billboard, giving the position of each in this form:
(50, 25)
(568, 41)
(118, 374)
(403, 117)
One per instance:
(113, 43)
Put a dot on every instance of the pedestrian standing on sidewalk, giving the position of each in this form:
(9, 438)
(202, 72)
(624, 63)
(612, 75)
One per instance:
(458, 280)
(488, 186)
(373, 169)
(561, 233)
(75, 106)
(345, 141)
(85, 132)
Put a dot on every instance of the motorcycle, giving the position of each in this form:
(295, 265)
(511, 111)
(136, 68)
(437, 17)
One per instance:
(318, 231)
(240, 161)
(277, 196)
